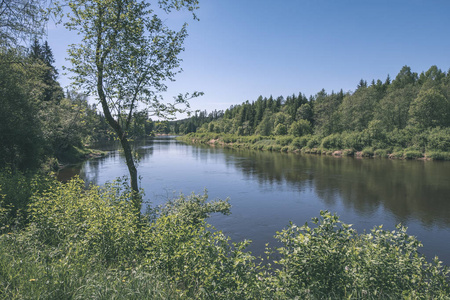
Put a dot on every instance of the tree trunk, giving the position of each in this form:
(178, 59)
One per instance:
(137, 200)
(136, 197)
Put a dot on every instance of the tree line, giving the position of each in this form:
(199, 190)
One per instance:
(410, 111)
(40, 121)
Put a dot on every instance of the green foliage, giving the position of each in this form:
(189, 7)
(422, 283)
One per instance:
(412, 154)
(412, 112)
(89, 243)
(193, 209)
(300, 128)
(280, 129)
(367, 152)
(381, 153)
(16, 189)
(355, 140)
(20, 128)
(333, 141)
(284, 141)
(314, 142)
(438, 139)
(102, 220)
(300, 142)
(332, 260)
(438, 155)
(430, 109)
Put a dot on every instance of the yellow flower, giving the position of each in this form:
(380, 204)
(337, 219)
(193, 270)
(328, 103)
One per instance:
(32, 280)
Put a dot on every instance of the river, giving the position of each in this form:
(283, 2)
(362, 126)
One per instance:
(267, 190)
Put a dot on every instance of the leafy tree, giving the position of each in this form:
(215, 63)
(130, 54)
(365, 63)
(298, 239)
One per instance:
(22, 19)
(393, 109)
(305, 112)
(20, 129)
(265, 127)
(125, 56)
(404, 77)
(357, 109)
(300, 128)
(430, 109)
(325, 112)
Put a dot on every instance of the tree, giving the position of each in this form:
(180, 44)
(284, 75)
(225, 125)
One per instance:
(22, 19)
(125, 56)
(42, 54)
(429, 109)
(325, 112)
(300, 128)
(21, 145)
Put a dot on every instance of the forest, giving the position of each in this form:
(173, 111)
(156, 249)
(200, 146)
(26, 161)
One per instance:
(407, 117)
(41, 124)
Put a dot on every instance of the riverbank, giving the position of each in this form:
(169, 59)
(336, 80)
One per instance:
(71, 156)
(310, 144)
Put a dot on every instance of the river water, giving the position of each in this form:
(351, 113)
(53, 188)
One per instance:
(267, 190)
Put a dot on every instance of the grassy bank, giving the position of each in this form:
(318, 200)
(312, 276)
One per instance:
(83, 244)
(335, 145)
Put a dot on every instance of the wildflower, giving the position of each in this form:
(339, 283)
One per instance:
(32, 280)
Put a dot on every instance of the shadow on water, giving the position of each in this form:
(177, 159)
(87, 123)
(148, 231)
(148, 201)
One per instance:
(409, 189)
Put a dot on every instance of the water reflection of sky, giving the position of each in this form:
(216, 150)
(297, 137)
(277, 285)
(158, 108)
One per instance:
(267, 190)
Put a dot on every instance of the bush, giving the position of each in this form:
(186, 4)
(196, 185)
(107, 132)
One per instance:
(367, 152)
(333, 141)
(412, 154)
(300, 142)
(438, 155)
(439, 139)
(16, 189)
(332, 261)
(355, 140)
(284, 140)
(314, 142)
(381, 153)
(276, 148)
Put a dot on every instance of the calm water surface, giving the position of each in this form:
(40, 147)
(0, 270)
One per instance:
(267, 190)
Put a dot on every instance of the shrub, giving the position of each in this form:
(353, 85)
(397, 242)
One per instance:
(355, 140)
(16, 189)
(438, 155)
(332, 260)
(333, 141)
(412, 154)
(381, 153)
(284, 140)
(300, 142)
(439, 139)
(314, 142)
(276, 148)
(367, 152)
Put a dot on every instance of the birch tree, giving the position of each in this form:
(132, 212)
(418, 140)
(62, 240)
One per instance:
(125, 58)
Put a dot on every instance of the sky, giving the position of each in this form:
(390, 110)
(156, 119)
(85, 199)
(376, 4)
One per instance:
(241, 49)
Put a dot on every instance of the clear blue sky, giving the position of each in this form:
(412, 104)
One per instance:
(241, 49)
